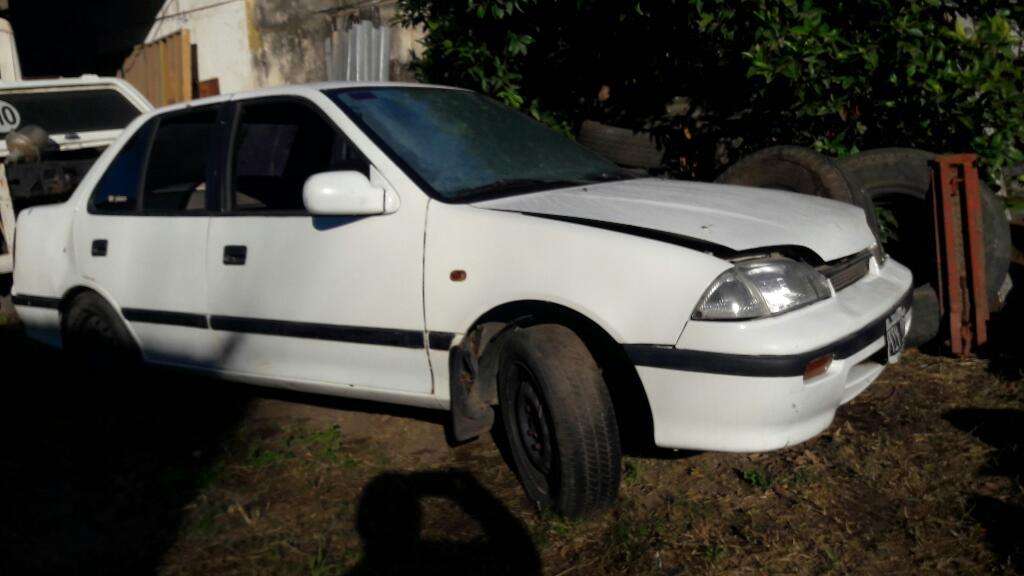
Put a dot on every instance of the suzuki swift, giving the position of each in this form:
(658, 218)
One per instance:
(427, 246)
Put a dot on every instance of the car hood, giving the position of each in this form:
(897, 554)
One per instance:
(736, 217)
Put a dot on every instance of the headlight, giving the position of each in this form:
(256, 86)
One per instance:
(759, 288)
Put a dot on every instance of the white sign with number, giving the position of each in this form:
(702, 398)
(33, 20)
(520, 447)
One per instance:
(10, 119)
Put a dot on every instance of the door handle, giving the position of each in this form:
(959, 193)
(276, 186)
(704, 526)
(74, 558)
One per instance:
(234, 255)
(99, 247)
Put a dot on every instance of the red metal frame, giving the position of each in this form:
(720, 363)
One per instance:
(960, 250)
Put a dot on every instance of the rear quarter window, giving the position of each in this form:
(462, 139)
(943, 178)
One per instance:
(117, 191)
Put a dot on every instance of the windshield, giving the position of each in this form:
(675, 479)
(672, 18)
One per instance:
(68, 110)
(463, 145)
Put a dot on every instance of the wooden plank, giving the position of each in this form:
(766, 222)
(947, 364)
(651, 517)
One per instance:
(209, 87)
(162, 70)
(168, 69)
(186, 73)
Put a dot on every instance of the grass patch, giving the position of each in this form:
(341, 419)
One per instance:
(631, 472)
(261, 457)
(758, 478)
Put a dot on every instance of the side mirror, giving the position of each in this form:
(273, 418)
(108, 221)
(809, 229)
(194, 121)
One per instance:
(345, 193)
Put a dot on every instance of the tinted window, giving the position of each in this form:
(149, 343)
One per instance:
(277, 147)
(176, 174)
(118, 189)
(464, 145)
(72, 110)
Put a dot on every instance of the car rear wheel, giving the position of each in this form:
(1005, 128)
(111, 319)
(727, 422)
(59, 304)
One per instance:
(95, 337)
(559, 421)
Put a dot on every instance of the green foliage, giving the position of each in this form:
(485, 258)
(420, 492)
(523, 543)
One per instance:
(744, 74)
(757, 478)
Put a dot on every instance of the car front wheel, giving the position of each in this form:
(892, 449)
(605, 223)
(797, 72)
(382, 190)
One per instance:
(559, 420)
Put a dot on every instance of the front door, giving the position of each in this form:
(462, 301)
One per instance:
(316, 301)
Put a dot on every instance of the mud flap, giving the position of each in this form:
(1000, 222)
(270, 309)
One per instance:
(471, 414)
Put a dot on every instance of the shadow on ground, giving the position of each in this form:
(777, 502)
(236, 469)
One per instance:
(390, 522)
(1003, 430)
(96, 472)
(1005, 353)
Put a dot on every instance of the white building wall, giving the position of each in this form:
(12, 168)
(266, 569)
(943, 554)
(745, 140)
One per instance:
(249, 44)
(220, 31)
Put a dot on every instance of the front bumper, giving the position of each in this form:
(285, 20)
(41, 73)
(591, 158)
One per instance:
(740, 387)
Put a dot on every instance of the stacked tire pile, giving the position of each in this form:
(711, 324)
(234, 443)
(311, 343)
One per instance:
(894, 182)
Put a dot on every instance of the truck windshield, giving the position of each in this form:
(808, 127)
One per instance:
(464, 146)
(60, 111)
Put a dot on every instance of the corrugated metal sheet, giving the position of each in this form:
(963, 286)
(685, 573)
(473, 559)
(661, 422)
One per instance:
(361, 51)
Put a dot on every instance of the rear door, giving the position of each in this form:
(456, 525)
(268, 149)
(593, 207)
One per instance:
(329, 301)
(143, 240)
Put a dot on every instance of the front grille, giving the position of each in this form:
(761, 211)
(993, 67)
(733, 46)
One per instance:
(848, 270)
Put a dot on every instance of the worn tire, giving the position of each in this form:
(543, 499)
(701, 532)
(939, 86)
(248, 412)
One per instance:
(791, 168)
(95, 336)
(924, 324)
(572, 463)
(620, 145)
(885, 174)
(8, 316)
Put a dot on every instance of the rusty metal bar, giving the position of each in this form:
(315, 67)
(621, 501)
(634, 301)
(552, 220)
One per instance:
(975, 249)
(960, 251)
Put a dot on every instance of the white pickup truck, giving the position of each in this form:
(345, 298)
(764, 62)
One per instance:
(427, 246)
(79, 118)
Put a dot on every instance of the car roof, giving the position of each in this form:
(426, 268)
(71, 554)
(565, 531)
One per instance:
(296, 90)
(86, 80)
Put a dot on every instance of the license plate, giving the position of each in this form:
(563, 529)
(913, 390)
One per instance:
(894, 333)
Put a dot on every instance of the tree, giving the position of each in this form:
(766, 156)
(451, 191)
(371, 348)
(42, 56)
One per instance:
(739, 75)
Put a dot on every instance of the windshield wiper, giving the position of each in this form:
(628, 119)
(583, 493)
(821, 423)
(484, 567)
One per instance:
(510, 185)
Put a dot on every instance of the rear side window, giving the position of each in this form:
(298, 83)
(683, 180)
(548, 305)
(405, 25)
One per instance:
(178, 170)
(118, 190)
(278, 145)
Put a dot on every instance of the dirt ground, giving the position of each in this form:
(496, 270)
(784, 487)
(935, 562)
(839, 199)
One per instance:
(178, 474)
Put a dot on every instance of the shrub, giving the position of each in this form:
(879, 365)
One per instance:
(714, 79)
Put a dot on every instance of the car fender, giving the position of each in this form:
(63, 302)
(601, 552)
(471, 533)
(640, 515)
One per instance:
(639, 290)
(43, 257)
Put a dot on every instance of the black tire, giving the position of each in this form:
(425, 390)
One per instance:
(799, 170)
(792, 168)
(8, 316)
(924, 324)
(559, 420)
(621, 145)
(95, 336)
(900, 179)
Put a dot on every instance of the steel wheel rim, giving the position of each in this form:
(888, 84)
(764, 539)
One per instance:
(532, 420)
(94, 342)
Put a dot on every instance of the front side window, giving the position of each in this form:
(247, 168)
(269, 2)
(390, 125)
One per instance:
(177, 172)
(278, 145)
(118, 189)
(465, 146)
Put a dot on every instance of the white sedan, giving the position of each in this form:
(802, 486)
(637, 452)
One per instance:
(424, 245)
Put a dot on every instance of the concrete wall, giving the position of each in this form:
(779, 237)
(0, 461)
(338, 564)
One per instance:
(250, 44)
(218, 29)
